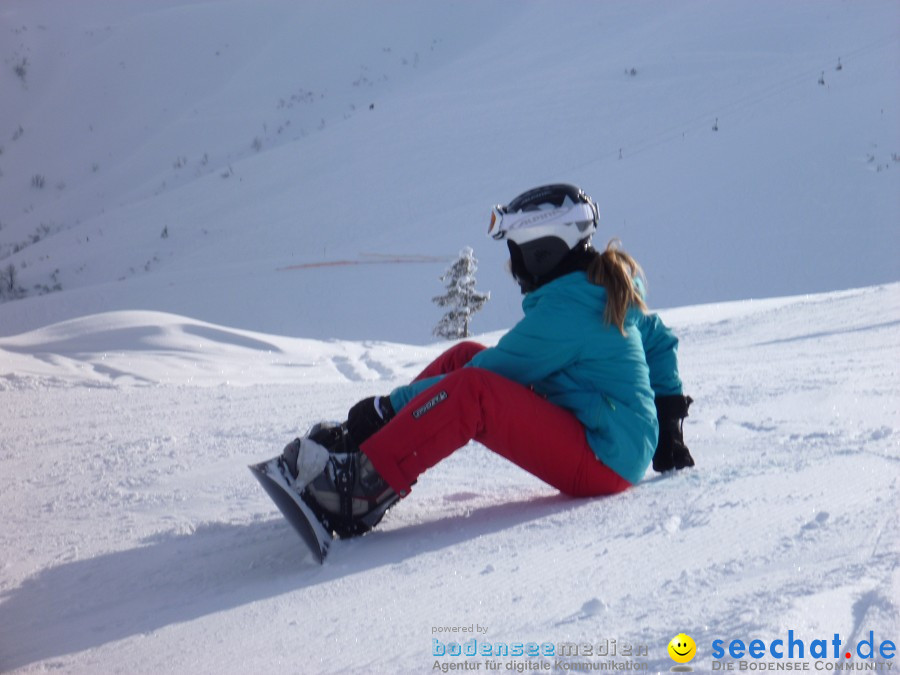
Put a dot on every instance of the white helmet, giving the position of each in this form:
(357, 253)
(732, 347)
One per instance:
(541, 226)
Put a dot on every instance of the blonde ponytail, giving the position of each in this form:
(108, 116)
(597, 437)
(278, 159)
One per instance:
(616, 271)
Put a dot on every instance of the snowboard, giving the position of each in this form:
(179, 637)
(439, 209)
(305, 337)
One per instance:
(271, 476)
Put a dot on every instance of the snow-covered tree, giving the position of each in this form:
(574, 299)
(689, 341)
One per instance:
(461, 297)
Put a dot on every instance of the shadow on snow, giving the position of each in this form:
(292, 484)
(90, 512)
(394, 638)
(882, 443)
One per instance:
(175, 578)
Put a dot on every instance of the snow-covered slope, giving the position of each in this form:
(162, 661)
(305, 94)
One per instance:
(195, 158)
(223, 221)
(135, 540)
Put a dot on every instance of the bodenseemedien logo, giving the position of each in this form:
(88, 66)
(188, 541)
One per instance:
(682, 649)
(479, 653)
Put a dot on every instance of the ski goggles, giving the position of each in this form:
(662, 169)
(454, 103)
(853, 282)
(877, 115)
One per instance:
(516, 225)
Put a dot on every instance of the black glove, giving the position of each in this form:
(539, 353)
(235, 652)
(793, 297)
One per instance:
(671, 452)
(368, 416)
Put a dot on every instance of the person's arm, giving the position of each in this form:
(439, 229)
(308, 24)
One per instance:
(407, 392)
(542, 343)
(661, 349)
(538, 345)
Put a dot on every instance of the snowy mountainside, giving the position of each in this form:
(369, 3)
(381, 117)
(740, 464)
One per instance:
(135, 539)
(197, 158)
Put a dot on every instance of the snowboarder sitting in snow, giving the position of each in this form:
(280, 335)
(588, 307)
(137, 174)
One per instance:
(583, 392)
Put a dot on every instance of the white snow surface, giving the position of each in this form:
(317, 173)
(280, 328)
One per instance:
(314, 168)
(135, 539)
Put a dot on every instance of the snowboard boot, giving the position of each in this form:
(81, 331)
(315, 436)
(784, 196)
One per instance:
(302, 460)
(347, 495)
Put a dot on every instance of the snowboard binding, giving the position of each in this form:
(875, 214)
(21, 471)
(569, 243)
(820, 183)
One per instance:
(325, 486)
(347, 495)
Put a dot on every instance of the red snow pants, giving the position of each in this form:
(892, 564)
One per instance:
(510, 419)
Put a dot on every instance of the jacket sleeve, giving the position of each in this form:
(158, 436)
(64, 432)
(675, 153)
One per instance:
(661, 349)
(542, 343)
(535, 347)
(406, 393)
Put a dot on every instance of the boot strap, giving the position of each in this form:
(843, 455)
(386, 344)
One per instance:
(344, 481)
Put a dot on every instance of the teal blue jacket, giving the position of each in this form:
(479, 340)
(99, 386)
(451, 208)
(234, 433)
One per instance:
(565, 351)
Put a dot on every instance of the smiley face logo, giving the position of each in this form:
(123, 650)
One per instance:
(682, 648)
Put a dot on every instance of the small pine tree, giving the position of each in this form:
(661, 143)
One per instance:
(461, 297)
(9, 288)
